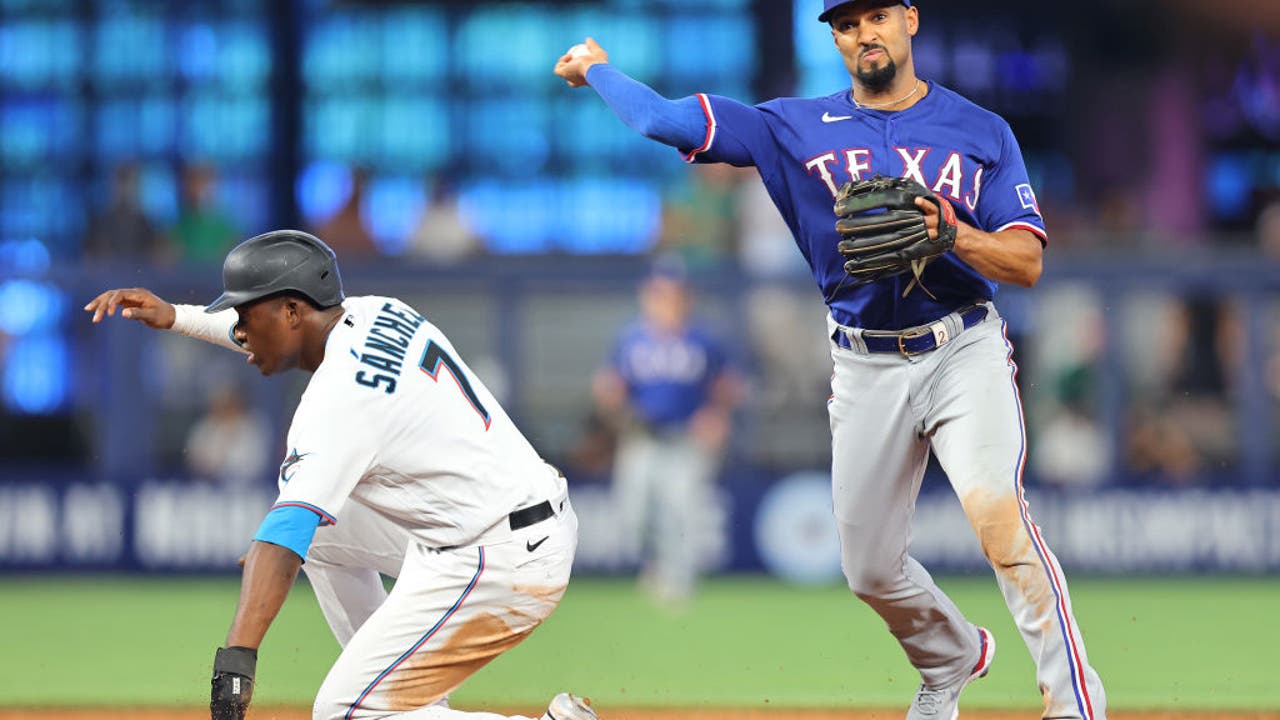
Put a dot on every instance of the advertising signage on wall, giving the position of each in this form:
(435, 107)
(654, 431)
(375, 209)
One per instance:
(785, 530)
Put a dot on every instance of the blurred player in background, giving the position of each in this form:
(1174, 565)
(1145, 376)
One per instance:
(204, 231)
(400, 462)
(123, 232)
(671, 394)
(232, 443)
(919, 367)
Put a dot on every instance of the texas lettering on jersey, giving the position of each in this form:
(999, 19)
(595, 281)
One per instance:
(667, 376)
(954, 178)
(676, 360)
(806, 148)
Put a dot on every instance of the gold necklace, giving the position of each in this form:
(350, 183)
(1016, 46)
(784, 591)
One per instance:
(863, 106)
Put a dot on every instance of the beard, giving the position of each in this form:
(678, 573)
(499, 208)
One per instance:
(877, 79)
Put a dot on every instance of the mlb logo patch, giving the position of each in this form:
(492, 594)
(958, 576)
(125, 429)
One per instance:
(1027, 197)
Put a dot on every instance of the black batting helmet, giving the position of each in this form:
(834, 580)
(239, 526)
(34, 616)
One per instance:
(277, 261)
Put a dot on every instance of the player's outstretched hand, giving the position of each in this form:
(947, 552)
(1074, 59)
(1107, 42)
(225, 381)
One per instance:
(573, 65)
(134, 304)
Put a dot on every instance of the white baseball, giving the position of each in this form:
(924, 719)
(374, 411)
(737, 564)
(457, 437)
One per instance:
(579, 50)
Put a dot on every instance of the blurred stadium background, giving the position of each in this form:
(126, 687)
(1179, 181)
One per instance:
(429, 142)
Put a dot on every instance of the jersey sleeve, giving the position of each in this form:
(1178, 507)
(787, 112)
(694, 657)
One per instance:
(677, 123)
(1007, 201)
(735, 133)
(289, 527)
(704, 128)
(216, 328)
(331, 447)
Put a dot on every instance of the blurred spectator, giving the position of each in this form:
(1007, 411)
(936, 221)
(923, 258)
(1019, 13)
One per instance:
(346, 230)
(670, 390)
(231, 445)
(204, 231)
(700, 223)
(1181, 423)
(122, 231)
(1160, 449)
(442, 236)
(1072, 449)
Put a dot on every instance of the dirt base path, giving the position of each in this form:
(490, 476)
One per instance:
(622, 714)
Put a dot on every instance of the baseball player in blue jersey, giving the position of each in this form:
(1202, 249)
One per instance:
(921, 364)
(669, 386)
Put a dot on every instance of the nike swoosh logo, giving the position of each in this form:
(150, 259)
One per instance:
(829, 118)
(531, 545)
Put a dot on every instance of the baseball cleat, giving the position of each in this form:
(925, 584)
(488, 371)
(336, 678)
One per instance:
(944, 703)
(570, 707)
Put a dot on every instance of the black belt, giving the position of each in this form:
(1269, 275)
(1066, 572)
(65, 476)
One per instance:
(524, 517)
(915, 340)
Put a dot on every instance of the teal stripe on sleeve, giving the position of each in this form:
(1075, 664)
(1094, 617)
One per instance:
(289, 527)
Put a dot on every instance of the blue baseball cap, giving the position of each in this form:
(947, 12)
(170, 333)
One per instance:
(829, 5)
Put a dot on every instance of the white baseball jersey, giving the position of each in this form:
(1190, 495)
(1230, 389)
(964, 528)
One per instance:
(417, 469)
(393, 419)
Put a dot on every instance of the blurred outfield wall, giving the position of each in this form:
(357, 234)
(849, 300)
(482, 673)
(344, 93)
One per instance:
(120, 498)
(784, 528)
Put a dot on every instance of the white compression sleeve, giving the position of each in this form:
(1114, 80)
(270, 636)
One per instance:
(193, 321)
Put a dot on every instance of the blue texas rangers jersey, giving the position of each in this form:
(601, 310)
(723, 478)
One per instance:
(806, 148)
(668, 376)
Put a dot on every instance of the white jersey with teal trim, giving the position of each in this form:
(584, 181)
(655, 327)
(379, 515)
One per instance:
(418, 475)
(395, 420)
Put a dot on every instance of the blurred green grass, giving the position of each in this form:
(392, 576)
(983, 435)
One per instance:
(1159, 643)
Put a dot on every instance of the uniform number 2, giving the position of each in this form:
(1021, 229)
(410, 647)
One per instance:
(433, 357)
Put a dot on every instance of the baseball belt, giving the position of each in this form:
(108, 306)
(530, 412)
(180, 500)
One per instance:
(524, 517)
(914, 340)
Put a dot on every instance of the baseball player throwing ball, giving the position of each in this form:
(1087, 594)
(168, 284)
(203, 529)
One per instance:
(399, 462)
(932, 208)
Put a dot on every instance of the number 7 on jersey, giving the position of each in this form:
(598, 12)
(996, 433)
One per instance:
(433, 356)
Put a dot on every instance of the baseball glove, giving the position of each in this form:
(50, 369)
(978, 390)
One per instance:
(883, 232)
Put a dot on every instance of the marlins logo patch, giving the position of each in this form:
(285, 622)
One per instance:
(293, 459)
(1027, 197)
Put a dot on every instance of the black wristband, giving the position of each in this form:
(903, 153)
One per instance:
(237, 660)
